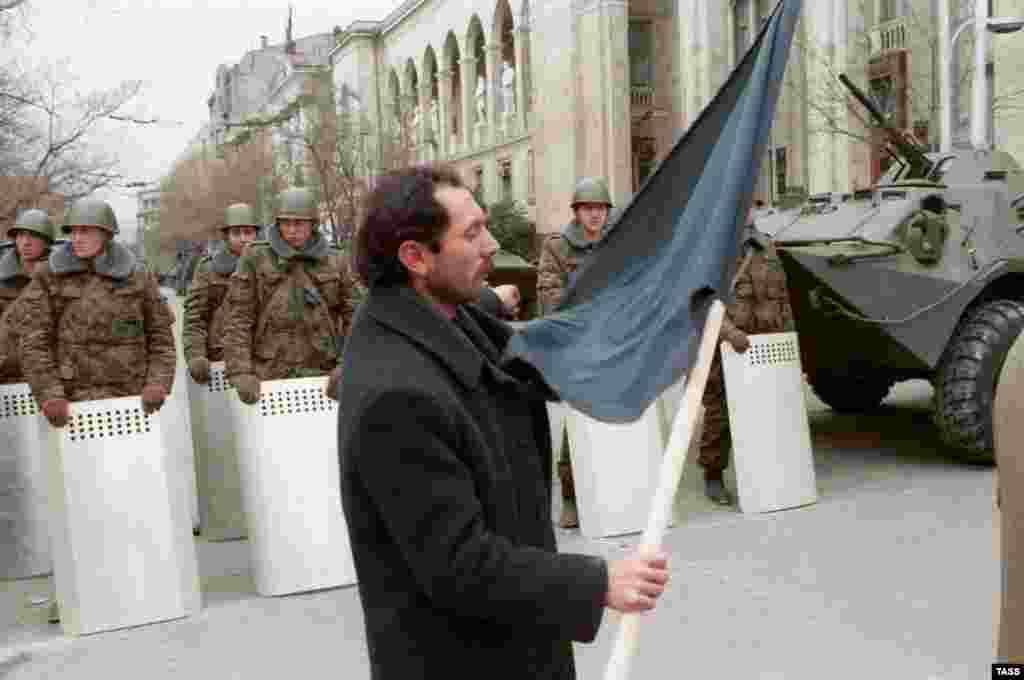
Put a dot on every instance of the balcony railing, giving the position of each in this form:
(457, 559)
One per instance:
(890, 35)
(642, 95)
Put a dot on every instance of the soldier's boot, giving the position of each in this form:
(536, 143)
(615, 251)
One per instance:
(714, 487)
(569, 518)
(53, 616)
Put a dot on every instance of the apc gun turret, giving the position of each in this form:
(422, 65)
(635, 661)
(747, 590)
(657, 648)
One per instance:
(905, 148)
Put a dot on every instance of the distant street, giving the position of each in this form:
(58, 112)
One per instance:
(892, 574)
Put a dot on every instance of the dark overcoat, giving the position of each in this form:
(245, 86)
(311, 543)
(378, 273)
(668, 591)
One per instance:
(445, 476)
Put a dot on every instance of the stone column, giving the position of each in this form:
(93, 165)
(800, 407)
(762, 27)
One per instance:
(521, 36)
(603, 116)
(493, 87)
(426, 150)
(444, 93)
(468, 106)
(409, 130)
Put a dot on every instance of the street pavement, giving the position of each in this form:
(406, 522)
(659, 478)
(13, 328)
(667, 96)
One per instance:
(891, 574)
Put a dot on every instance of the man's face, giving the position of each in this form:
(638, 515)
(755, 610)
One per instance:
(456, 274)
(239, 236)
(29, 246)
(592, 216)
(295, 232)
(87, 241)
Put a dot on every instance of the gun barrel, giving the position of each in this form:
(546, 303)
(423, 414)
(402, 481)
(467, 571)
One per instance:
(863, 99)
(920, 166)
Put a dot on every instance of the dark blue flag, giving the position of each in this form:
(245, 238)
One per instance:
(629, 325)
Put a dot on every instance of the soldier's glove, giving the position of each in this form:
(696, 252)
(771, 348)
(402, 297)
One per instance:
(248, 387)
(739, 341)
(57, 411)
(332, 384)
(200, 370)
(153, 397)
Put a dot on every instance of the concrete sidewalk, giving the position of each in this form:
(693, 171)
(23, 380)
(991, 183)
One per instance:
(890, 575)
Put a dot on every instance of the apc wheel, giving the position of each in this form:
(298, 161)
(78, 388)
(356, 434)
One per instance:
(966, 383)
(851, 393)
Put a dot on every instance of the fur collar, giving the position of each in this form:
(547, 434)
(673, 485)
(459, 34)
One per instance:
(224, 262)
(10, 264)
(115, 262)
(315, 249)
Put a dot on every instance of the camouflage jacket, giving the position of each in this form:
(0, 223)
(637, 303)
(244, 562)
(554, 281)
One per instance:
(205, 312)
(761, 302)
(95, 330)
(13, 280)
(560, 256)
(289, 312)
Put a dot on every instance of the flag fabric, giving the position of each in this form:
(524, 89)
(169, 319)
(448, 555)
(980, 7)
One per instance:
(629, 324)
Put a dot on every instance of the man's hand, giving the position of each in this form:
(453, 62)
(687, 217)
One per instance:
(248, 387)
(332, 384)
(200, 370)
(153, 397)
(636, 581)
(510, 299)
(57, 411)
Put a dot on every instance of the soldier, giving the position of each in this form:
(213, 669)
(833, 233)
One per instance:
(205, 311)
(761, 305)
(290, 302)
(561, 255)
(33, 236)
(95, 326)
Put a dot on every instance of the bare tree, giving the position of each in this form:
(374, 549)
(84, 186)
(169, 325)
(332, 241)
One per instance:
(49, 141)
(198, 189)
(324, 141)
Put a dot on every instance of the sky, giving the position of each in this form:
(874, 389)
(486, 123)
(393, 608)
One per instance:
(174, 48)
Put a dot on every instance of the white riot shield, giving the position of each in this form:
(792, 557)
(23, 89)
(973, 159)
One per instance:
(221, 513)
(123, 553)
(768, 420)
(24, 534)
(176, 418)
(557, 413)
(288, 460)
(615, 469)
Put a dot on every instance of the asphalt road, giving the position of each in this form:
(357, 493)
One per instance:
(891, 574)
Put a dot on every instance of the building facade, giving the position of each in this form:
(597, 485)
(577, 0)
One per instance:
(526, 97)
(147, 215)
(261, 80)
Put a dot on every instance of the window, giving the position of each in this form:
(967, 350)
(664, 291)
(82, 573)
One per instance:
(641, 53)
(889, 10)
(644, 157)
(741, 27)
(884, 96)
(780, 171)
(505, 175)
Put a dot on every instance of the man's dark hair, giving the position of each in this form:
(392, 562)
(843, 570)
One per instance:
(402, 207)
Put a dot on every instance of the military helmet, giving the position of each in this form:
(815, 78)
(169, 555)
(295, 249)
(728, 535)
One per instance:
(36, 222)
(239, 215)
(296, 203)
(91, 212)
(591, 190)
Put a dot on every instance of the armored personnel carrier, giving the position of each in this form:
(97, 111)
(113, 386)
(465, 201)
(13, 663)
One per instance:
(922, 276)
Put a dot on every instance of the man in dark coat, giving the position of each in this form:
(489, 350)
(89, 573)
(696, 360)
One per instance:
(444, 453)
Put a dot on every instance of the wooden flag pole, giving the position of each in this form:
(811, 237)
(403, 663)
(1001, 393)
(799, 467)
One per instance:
(671, 471)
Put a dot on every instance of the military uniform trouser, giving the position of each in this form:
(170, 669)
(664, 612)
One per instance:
(715, 439)
(565, 478)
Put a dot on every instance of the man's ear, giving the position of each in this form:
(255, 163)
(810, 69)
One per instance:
(414, 257)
